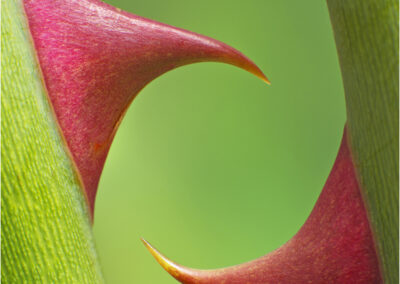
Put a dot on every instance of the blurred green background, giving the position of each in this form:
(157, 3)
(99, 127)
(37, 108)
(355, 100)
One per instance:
(210, 164)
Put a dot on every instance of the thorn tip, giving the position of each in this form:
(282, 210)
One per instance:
(171, 267)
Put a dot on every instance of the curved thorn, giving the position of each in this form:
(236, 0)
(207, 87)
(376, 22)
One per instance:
(335, 244)
(95, 59)
(181, 273)
(171, 267)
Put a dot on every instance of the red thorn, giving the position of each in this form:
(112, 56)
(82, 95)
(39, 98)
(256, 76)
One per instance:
(335, 244)
(96, 58)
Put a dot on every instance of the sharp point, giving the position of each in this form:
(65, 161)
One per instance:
(167, 264)
(265, 79)
(255, 70)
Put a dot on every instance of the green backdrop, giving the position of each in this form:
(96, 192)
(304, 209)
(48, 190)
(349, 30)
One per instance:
(210, 164)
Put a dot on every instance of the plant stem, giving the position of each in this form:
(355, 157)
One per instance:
(366, 34)
(45, 226)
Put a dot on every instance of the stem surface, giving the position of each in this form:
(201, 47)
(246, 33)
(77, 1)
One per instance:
(366, 35)
(45, 227)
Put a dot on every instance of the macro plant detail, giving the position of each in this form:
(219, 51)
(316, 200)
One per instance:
(72, 68)
(91, 98)
(334, 245)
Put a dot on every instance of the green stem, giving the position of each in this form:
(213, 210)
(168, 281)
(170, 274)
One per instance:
(45, 226)
(366, 34)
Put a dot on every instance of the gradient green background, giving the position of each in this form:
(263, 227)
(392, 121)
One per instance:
(210, 164)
